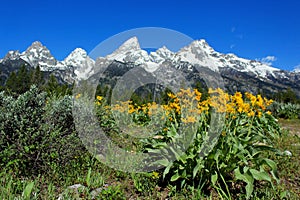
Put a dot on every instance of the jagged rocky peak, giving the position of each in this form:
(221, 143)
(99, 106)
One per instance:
(163, 54)
(130, 52)
(82, 64)
(78, 52)
(130, 45)
(199, 53)
(37, 54)
(76, 56)
(199, 46)
(296, 70)
(36, 44)
(12, 55)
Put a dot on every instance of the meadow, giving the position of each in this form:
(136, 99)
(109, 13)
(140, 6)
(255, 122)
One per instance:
(215, 146)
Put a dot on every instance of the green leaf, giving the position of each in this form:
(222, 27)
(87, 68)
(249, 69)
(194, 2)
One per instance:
(163, 162)
(197, 167)
(249, 186)
(283, 195)
(88, 177)
(26, 148)
(182, 183)
(27, 191)
(177, 156)
(166, 171)
(260, 175)
(214, 178)
(273, 166)
(175, 177)
(238, 174)
(246, 177)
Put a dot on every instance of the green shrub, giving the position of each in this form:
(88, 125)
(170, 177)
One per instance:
(285, 110)
(37, 133)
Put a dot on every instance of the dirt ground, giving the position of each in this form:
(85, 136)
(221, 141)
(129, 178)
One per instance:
(292, 125)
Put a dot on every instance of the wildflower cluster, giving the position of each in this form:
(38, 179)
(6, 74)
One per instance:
(187, 104)
(247, 126)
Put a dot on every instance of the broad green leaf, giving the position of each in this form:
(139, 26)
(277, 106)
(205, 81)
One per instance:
(88, 177)
(163, 162)
(246, 177)
(175, 177)
(182, 183)
(27, 190)
(197, 167)
(249, 186)
(238, 174)
(166, 171)
(177, 156)
(260, 175)
(273, 166)
(214, 178)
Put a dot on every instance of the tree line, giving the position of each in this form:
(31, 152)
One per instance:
(18, 82)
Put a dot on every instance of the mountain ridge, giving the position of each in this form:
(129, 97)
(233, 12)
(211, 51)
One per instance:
(79, 66)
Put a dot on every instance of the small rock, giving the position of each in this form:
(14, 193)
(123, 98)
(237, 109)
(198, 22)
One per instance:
(288, 153)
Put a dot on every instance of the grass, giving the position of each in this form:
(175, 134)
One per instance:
(289, 167)
(292, 125)
(112, 184)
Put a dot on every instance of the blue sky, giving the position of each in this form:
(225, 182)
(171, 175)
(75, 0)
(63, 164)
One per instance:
(250, 29)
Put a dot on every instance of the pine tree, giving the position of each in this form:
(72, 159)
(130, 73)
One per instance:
(52, 85)
(290, 96)
(23, 82)
(37, 77)
(11, 83)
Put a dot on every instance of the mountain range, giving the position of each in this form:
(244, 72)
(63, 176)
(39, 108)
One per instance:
(237, 73)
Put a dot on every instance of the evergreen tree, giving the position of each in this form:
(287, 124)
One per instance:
(23, 82)
(203, 89)
(37, 77)
(11, 83)
(52, 87)
(104, 91)
(290, 96)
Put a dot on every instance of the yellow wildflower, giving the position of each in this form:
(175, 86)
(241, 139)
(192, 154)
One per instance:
(189, 119)
(77, 96)
(99, 98)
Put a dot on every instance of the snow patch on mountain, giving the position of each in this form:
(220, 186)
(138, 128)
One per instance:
(162, 54)
(37, 54)
(11, 55)
(197, 53)
(82, 63)
(297, 69)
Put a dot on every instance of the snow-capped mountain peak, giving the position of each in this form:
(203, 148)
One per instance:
(77, 55)
(163, 54)
(130, 52)
(82, 64)
(78, 65)
(37, 54)
(199, 53)
(12, 55)
(297, 69)
(130, 44)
